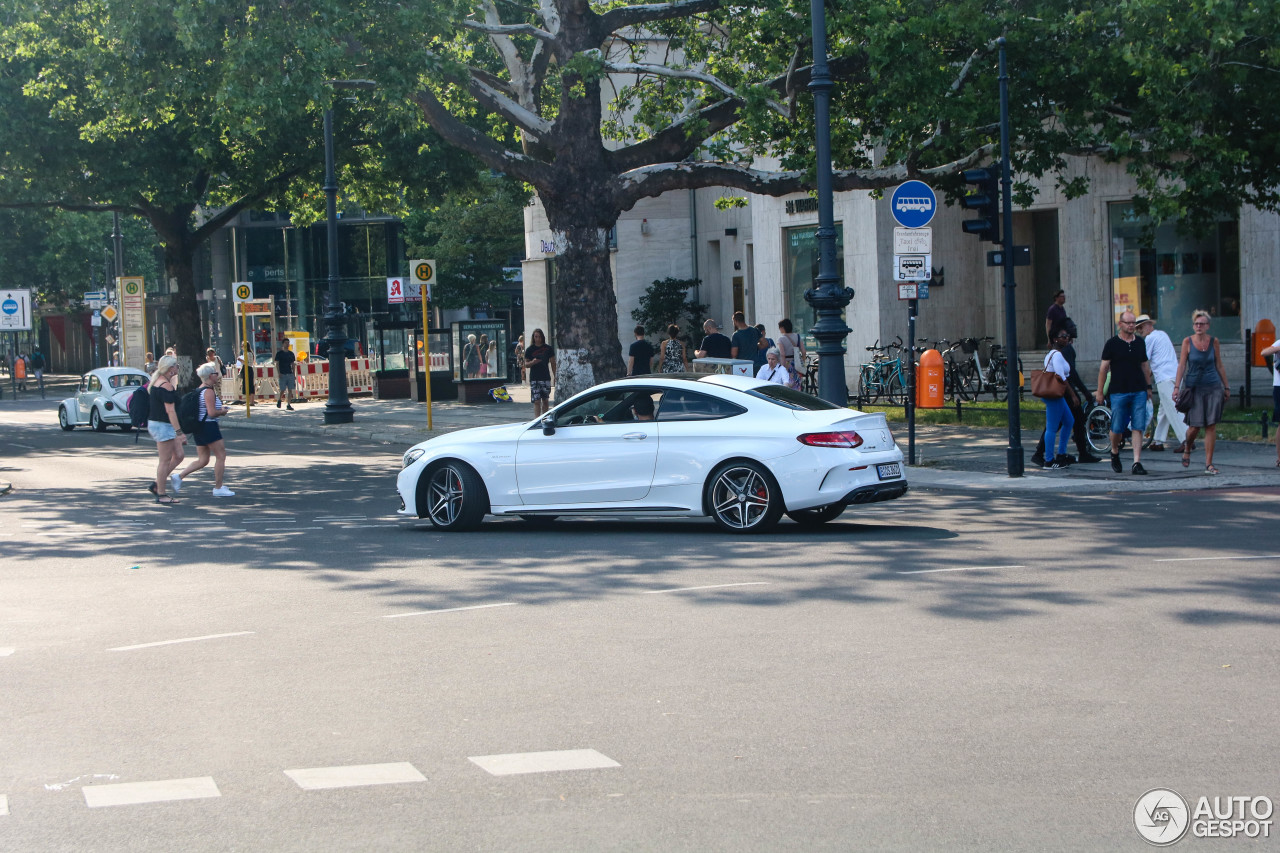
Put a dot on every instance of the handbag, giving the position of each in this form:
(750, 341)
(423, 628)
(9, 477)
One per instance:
(1186, 396)
(1047, 385)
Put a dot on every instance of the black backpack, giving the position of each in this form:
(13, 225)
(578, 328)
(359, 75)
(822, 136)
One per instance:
(139, 411)
(189, 411)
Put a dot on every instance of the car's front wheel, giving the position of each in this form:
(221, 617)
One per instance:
(454, 497)
(96, 421)
(743, 497)
(816, 516)
(64, 420)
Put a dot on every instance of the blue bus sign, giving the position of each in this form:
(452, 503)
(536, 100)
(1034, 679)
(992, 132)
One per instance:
(913, 204)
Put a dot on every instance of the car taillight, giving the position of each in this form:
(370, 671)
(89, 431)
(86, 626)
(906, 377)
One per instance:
(109, 405)
(849, 438)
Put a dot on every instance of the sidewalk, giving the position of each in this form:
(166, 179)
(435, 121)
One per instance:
(947, 457)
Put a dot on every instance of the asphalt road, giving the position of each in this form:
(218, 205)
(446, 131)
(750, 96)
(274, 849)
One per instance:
(944, 672)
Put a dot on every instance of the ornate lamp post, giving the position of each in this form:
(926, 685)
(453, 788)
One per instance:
(338, 410)
(827, 297)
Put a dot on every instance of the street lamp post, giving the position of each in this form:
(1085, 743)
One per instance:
(826, 297)
(338, 410)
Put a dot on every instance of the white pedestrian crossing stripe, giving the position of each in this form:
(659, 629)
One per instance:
(352, 776)
(4, 805)
(136, 793)
(543, 762)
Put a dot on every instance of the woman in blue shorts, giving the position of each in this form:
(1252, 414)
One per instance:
(209, 434)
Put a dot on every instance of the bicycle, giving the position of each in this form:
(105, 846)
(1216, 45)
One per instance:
(998, 373)
(883, 375)
(809, 382)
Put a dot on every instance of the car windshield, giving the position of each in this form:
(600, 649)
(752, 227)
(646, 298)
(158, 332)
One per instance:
(791, 398)
(127, 380)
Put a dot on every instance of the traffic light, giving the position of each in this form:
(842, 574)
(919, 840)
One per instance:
(985, 199)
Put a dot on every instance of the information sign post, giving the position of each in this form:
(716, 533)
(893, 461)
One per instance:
(422, 275)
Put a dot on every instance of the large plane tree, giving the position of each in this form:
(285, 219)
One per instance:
(617, 101)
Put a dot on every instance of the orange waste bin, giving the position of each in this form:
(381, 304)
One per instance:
(1264, 335)
(929, 381)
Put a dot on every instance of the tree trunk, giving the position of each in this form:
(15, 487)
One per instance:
(184, 310)
(588, 350)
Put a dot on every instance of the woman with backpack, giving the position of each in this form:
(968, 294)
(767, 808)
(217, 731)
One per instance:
(162, 424)
(208, 434)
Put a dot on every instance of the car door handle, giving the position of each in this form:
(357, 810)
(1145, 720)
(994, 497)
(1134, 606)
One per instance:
(635, 436)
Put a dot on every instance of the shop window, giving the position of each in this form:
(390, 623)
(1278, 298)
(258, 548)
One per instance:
(799, 269)
(1169, 275)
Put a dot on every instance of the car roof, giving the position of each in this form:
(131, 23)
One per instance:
(738, 383)
(116, 371)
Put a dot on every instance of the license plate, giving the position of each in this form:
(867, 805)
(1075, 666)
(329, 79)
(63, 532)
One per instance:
(891, 471)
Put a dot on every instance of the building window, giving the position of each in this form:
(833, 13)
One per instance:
(1172, 275)
(800, 268)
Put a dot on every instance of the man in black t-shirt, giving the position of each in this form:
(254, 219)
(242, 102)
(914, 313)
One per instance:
(286, 382)
(714, 345)
(640, 356)
(1125, 358)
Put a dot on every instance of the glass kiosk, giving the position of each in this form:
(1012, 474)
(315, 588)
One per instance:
(480, 362)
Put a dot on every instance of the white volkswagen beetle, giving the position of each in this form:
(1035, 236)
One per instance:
(734, 448)
(102, 399)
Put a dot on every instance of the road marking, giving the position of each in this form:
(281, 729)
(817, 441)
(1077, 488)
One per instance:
(318, 778)
(4, 806)
(448, 610)
(23, 446)
(136, 793)
(1192, 559)
(6, 651)
(714, 586)
(341, 518)
(961, 569)
(289, 529)
(184, 640)
(542, 762)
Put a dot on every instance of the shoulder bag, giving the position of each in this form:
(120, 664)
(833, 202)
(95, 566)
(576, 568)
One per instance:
(1047, 385)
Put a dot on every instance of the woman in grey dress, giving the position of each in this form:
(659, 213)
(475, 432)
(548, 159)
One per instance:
(1201, 374)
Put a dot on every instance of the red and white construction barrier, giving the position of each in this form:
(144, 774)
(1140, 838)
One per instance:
(312, 380)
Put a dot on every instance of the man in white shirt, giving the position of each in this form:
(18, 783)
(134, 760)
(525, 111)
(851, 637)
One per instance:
(1164, 369)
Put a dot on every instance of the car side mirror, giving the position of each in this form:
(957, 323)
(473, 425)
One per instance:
(549, 425)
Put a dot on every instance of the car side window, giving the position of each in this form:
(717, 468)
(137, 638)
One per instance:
(84, 383)
(609, 407)
(95, 384)
(681, 405)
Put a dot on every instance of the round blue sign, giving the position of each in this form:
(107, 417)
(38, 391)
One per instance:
(913, 204)
(10, 306)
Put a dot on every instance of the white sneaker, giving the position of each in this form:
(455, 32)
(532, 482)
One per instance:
(175, 482)
(223, 492)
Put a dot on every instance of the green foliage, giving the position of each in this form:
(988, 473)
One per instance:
(59, 255)
(472, 235)
(668, 301)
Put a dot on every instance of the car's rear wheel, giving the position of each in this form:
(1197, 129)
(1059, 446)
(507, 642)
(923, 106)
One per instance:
(454, 498)
(816, 516)
(63, 420)
(743, 497)
(96, 421)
